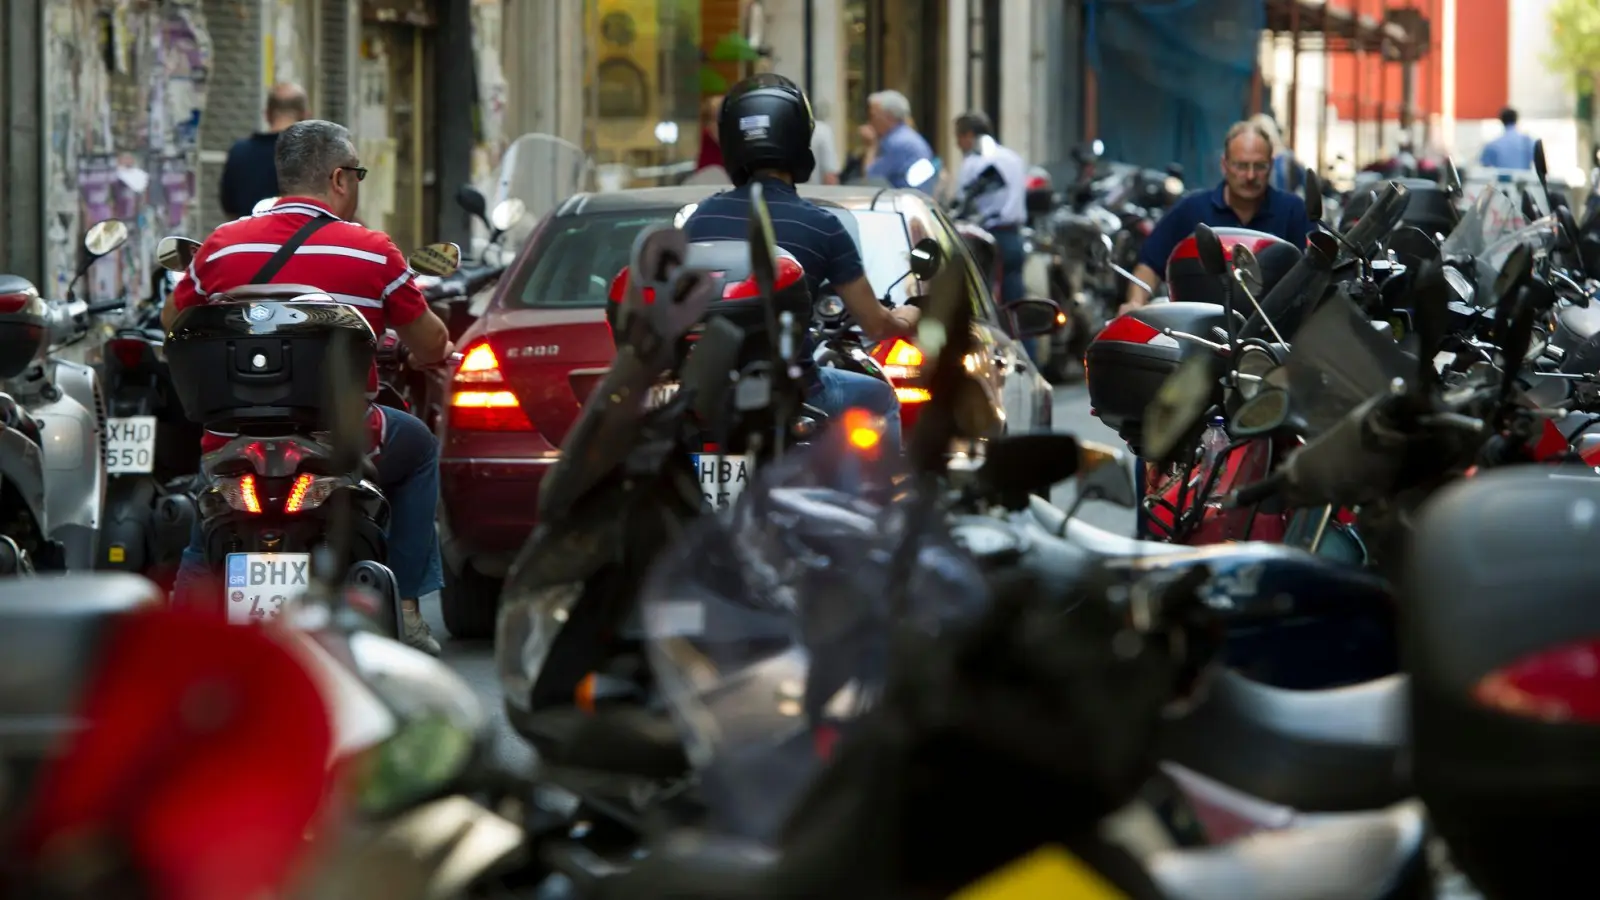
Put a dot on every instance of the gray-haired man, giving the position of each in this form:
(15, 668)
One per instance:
(893, 146)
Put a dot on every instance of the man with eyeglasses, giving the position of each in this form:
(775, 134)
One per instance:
(307, 238)
(1244, 199)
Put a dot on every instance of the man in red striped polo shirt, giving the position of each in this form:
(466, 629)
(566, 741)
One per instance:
(321, 179)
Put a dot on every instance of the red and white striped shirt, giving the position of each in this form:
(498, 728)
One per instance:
(348, 262)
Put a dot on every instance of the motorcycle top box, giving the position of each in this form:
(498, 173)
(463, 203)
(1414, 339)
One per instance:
(1502, 639)
(234, 364)
(24, 320)
(1131, 358)
(1188, 281)
(741, 303)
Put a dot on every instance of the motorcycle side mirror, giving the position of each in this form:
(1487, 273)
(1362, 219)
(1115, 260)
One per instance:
(1313, 196)
(441, 259)
(1530, 210)
(1262, 414)
(175, 253)
(104, 237)
(1178, 407)
(472, 200)
(919, 173)
(1517, 268)
(1104, 474)
(1540, 167)
(507, 213)
(926, 258)
(1034, 317)
(1452, 177)
(1247, 269)
(1212, 257)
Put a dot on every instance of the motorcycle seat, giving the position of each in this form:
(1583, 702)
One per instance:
(1096, 540)
(51, 627)
(1330, 750)
(1374, 855)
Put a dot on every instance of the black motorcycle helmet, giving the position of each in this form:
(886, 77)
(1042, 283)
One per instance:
(766, 123)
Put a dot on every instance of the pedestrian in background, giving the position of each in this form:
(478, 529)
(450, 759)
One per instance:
(893, 146)
(251, 175)
(1285, 169)
(710, 150)
(1511, 150)
(823, 147)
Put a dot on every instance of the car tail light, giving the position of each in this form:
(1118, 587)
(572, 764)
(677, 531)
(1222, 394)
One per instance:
(309, 492)
(902, 362)
(129, 352)
(240, 493)
(619, 289)
(1561, 684)
(478, 399)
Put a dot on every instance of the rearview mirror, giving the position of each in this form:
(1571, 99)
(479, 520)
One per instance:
(441, 259)
(926, 257)
(175, 253)
(1540, 167)
(1247, 269)
(1313, 196)
(1104, 474)
(1452, 177)
(1034, 317)
(507, 213)
(920, 173)
(1179, 405)
(1262, 414)
(472, 200)
(1209, 247)
(104, 237)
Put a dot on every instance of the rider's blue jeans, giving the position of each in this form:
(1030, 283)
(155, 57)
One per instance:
(842, 389)
(408, 475)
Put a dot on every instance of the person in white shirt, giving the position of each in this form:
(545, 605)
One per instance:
(823, 147)
(1000, 202)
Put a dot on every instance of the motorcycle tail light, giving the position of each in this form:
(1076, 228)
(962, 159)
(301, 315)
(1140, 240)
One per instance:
(240, 493)
(1561, 684)
(129, 352)
(479, 400)
(309, 492)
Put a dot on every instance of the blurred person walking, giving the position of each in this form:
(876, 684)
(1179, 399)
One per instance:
(250, 175)
(710, 150)
(1511, 150)
(824, 147)
(893, 145)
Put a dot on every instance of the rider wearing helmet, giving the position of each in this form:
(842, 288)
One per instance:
(765, 128)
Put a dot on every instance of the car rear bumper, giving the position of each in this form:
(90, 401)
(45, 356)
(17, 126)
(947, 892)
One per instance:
(487, 508)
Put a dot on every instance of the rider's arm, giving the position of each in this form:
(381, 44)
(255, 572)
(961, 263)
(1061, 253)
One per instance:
(849, 281)
(404, 308)
(1171, 228)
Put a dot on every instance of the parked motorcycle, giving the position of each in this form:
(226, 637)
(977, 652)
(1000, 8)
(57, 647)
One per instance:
(53, 446)
(277, 366)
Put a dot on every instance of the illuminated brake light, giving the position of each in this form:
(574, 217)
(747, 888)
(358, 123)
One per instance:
(241, 493)
(903, 362)
(912, 395)
(308, 493)
(1557, 685)
(474, 404)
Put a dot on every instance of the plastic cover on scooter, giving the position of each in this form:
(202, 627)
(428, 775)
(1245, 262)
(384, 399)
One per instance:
(769, 632)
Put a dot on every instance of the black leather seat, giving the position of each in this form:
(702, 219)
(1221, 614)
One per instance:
(1330, 750)
(1362, 857)
(51, 628)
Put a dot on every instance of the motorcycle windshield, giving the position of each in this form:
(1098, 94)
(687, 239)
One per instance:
(769, 631)
(1491, 228)
(1337, 361)
(542, 171)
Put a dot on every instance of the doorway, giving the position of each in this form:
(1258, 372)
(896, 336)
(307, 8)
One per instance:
(395, 127)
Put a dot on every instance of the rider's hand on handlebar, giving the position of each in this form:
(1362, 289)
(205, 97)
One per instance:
(906, 319)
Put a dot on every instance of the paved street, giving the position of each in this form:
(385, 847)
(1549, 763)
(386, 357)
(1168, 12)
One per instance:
(474, 660)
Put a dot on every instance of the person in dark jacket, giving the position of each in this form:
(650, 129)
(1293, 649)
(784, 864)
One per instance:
(250, 175)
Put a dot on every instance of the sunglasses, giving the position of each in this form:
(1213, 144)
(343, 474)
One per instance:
(361, 171)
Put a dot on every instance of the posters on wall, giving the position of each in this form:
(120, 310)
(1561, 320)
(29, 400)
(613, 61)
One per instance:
(124, 89)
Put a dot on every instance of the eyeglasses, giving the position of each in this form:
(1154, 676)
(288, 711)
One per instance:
(361, 171)
(1250, 168)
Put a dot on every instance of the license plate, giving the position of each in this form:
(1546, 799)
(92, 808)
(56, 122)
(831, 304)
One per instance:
(660, 395)
(260, 585)
(722, 478)
(130, 445)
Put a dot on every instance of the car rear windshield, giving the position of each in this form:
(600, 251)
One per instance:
(880, 235)
(577, 257)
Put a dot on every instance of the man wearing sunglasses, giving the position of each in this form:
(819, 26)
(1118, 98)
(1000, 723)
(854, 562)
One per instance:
(307, 238)
(1244, 199)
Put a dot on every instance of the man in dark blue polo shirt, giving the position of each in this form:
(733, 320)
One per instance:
(765, 132)
(1244, 199)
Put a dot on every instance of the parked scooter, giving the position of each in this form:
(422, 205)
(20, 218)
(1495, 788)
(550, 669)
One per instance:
(52, 450)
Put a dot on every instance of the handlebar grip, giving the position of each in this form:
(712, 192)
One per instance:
(106, 306)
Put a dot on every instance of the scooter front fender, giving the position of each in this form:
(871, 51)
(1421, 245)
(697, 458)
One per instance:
(74, 475)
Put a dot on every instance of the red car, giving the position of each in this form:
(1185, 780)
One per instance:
(542, 345)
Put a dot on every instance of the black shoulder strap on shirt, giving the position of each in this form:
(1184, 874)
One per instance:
(279, 259)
